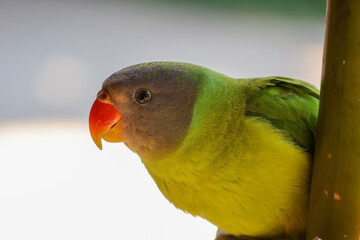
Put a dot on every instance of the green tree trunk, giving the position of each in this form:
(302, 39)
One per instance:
(335, 191)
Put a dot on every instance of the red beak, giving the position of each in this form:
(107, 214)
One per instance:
(104, 123)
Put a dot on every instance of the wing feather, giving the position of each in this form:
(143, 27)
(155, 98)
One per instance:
(288, 104)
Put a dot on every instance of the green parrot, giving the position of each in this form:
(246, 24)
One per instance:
(236, 152)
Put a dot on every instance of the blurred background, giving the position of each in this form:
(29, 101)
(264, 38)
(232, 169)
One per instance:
(54, 56)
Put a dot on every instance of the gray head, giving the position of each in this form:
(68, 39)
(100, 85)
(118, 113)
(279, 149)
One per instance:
(156, 102)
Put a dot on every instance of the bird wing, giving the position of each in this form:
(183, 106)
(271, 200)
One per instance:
(288, 104)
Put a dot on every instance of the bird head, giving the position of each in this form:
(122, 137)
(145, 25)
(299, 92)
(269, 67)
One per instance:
(147, 106)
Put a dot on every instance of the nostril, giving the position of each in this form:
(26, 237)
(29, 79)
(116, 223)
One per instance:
(104, 97)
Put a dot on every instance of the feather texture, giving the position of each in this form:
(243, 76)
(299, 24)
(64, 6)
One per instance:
(245, 162)
(288, 104)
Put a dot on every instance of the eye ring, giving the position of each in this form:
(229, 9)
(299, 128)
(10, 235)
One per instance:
(143, 96)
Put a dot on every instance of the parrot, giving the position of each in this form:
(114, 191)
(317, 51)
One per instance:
(236, 152)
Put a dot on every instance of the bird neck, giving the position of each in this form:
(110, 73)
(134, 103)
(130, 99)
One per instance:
(217, 112)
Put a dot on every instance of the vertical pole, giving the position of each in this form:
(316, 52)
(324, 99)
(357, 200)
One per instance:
(335, 192)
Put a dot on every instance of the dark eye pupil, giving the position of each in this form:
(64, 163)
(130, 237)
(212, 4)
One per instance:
(143, 96)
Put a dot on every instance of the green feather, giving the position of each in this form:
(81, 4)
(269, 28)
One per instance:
(288, 104)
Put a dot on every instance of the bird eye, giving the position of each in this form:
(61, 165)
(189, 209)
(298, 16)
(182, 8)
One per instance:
(143, 96)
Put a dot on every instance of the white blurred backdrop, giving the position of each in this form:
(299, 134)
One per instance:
(54, 55)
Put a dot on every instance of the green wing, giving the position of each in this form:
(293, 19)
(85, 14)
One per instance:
(288, 104)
